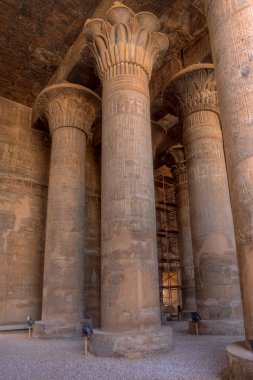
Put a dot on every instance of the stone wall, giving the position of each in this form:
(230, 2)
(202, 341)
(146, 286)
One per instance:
(24, 168)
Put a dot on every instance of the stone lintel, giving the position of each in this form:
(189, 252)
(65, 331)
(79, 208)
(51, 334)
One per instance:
(67, 105)
(193, 89)
(131, 345)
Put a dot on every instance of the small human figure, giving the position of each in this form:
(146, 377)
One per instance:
(179, 312)
(87, 331)
(30, 324)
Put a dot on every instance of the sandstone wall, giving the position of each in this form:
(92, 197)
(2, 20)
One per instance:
(24, 167)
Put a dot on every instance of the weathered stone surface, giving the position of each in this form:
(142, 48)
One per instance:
(218, 327)
(92, 230)
(70, 111)
(216, 272)
(131, 345)
(24, 168)
(57, 329)
(231, 30)
(240, 361)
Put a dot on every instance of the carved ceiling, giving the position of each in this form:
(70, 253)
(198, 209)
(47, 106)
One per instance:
(36, 34)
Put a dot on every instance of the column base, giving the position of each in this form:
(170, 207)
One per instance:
(131, 345)
(217, 327)
(57, 329)
(240, 361)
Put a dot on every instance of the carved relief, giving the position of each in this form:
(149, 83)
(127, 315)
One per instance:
(243, 218)
(179, 172)
(68, 105)
(231, 30)
(124, 43)
(192, 90)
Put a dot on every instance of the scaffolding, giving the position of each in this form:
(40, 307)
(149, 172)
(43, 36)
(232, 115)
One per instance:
(167, 243)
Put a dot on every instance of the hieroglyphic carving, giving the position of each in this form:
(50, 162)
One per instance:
(230, 7)
(233, 61)
(69, 110)
(26, 184)
(130, 158)
(24, 159)
(125, 45)
(193, 91)
(231, 29)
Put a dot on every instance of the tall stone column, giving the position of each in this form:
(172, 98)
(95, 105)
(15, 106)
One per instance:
(184, 228)
(230, 25)
(193, 92)
(69, 110)
(124, 45)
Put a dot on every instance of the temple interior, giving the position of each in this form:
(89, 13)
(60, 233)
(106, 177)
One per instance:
(126, 173)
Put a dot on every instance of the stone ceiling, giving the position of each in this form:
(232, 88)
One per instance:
(36, 34)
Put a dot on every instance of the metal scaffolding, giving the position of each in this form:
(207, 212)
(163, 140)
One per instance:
(167, 242)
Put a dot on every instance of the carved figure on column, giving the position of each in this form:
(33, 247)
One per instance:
(124, 46)
(193, 93)
(69, 110)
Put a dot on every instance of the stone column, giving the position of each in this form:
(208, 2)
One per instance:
(230, 26)
(184, 228)
(193, 92)
(124, 45)
(69, 111)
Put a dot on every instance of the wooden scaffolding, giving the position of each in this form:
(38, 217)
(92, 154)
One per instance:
(167, 243)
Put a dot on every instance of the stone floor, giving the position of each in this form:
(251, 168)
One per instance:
(193, 358)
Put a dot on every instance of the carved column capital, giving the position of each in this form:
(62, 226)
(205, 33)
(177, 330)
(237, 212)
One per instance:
(179, 172)
(67, 105)
(175, 159)
(181, 183)
(193, 89)
(124, 43)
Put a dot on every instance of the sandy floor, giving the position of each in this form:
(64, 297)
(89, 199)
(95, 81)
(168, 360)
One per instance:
(193, 358)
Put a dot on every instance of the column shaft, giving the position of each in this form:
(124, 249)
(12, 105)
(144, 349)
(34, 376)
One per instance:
(216, 273)
(185, 240)
(130, 295)
(216, 270)
(64, 252)
(231, 33)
